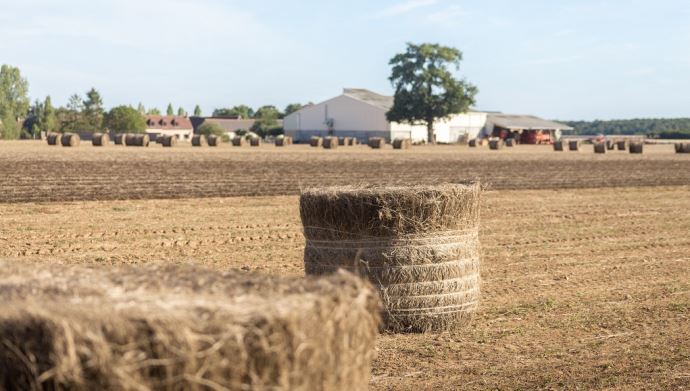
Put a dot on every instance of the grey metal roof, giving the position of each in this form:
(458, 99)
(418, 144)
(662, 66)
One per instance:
(374, 99)
(525, 122)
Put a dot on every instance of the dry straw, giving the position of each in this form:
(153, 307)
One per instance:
(255, 142)
(214, 141)
(636, 147)
(53, 138)
(238, 141)
(137, 140)
(510, 142)
(70, 140)
(120, 139)
(100, 140)
(682, 147)
(168, 141)
(330, 143)
(496, 144)
(402, 143)
(316, 141)
(418, 245)
(472, 143)
(376, 142)
(622, 145)
(182, 328)
(599, 147)
(199, 140)
(574, 145)
(283, 141)
(558, 146)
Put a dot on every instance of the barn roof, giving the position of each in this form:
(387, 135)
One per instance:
(167, 122)
(372, 98)
(525, 122)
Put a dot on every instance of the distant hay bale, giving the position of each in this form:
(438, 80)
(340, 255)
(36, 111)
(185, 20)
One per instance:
(600, 147)
(622, 145)
(510, 142)
(558, 146)
(239, 141)
(70, 140)
(682, 147)
(137, 140)
(610, 145)
(183, 328)
(53, 138)
(214, 140)
(316, 141)
(402, 143)
(100, 139)
(418, 245)
(168, 141)
(283, 141)
(574, 145)
(255, 142)
(120, 139)
(472, 143)
(344, 141)
(199, 140)
(330, 143)
(496, 144)
(353, 141)
(376, 142)
(636, 147)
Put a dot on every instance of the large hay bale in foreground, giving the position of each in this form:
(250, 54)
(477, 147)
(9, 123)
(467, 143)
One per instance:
(574, 145)
(316, 141)
(402, 143)
(137, 140)
(330, 143)
(636, 147)
(376, 142)
(214, 140)
(496, 144)
(100, 139)
(418, 245)
(168, 141)
(120, 139)
(199, 140)
(53, 138)
(70, 140)
(600, 147)
(558, 146)
(182, 328)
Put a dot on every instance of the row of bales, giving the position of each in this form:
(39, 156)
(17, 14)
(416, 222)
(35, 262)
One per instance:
(373, 142)
(602, 146)
(400, 259)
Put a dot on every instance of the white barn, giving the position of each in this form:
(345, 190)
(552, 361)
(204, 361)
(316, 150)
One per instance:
(361, 113)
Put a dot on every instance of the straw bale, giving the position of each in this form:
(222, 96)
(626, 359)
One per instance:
(574, 145)
(682, 147)
(255, 142)
(376, 142)
(353, 141)
(610, 145)
(558, 146)
(53, 138)
(330, 143)
(316, 141)
(239, 141)
(70, 140)
(344, 141)
(622, 145)
(120, 139)
(402, 143)
(182, 328)
(472, 143)
(100, 139)
(418, 245)
(636, 147)
(136, 140)
(199, 140)
(599, 147)
(510, 142)
(214, 140)
(168, 141)
(496, 144)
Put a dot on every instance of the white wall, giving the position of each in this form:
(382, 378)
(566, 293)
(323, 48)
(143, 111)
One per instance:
(348, 114)
(182, 134)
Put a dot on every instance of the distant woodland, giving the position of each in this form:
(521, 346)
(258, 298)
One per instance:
(673, 128)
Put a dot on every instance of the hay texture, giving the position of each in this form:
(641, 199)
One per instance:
(283, 141)
(168, 141)
(182, 328)
(418, 245)
(402, 143)
(344, 141)
(376, 142)
(353, 141)
(214, 141)
(316, 141)
(137, 140)
(496, 144)
(510, 142)
(255, 142)
(53, 138)
(472, 143)
(621, 145)
(100, 140)
(70, 140)
(636, 147)
(682, 147)
(239, 141)
(610, 145)
(600, 148)
(199, 140)
(558, 146)
(120, 139)
(330, 143)
(574, 145)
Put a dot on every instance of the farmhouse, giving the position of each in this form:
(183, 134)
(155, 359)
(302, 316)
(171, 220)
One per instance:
(526, 129)
(169, 125)
(361, 113)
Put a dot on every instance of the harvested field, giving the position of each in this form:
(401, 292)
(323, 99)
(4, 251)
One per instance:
(33, 171)
(582, 288)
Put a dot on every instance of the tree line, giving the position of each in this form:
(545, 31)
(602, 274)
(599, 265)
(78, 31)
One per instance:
(652, 127)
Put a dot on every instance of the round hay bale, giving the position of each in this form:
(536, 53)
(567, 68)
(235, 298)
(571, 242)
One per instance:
(558, 146)
(600, 148)
(622, 145)
(472, 143)
(353, 141)
(682, 147)
(418, 245)
(214, 140)
(510, 142)
(280, 142)
(677, 146)
(316, 141)
(239, 141)
(636, 147)
(53, 138)
(376, 142)
(610, 145)
(344, 141)
(199, 140)
(496, 144)
(100, 139)
(137, 140)
(255, 142)
(402, 143)
(330, 143)
(120, 139)
(574, 145)
(169, 141)
(70, 140)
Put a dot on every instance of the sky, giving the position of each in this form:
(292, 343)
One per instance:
(565, 59)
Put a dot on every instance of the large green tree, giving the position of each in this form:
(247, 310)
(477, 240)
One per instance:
(122, 119)
(425, 88)
(266, 121)
(70, 118)
(291, 108)
(14, 101)
(92, 115)
(243, 111)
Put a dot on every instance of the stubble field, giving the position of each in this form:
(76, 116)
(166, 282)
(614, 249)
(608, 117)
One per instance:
(585, 259)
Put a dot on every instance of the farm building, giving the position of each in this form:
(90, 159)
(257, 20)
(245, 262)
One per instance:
(527, 129)
(361, 113)
(169, 125)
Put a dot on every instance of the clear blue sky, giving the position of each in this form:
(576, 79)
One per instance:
(564, 59)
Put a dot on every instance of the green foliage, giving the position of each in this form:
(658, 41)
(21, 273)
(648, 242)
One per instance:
(209, 128)
(92, 114)
(14, 101)
(242, 111)
(46, 119)
(654, 127)
(425, 88)
(154, 111)
(141, 109)
(266, 121)
(181, 112)
(125, 119)
(291, 108)
(70, 118)
(9, 128)
(169, 110)
(197, 111)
